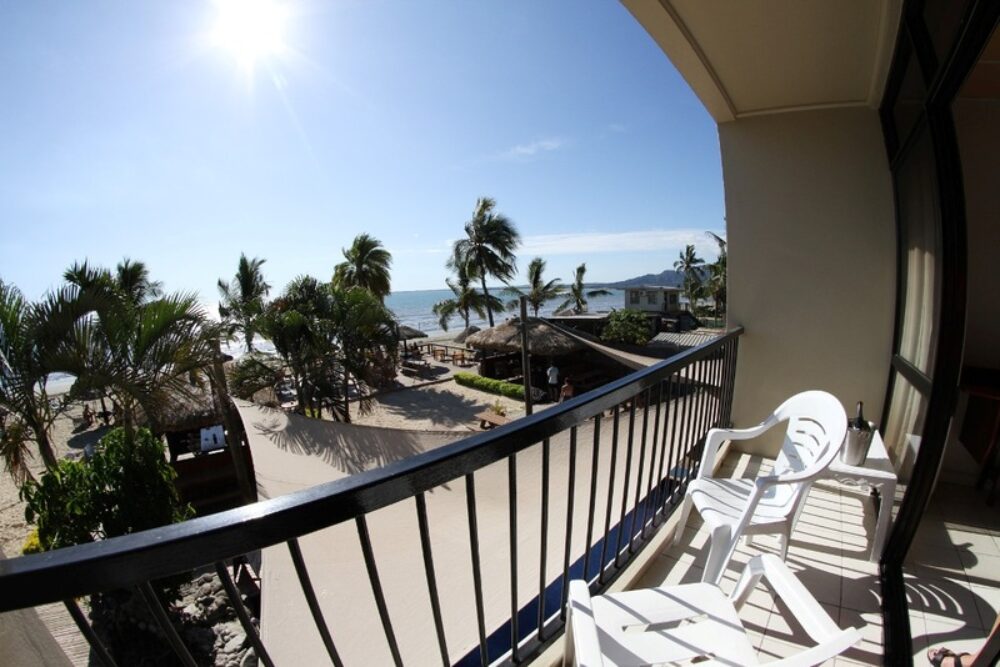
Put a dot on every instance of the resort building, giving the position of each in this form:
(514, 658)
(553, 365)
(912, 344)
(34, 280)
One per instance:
(859, 144)
(653, 299)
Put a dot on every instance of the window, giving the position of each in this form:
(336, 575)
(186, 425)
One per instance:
(633, 297)
(651, 298)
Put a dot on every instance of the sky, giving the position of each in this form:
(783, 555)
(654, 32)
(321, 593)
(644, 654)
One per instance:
(180, 134)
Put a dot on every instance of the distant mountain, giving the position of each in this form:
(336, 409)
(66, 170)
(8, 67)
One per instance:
(668, 278)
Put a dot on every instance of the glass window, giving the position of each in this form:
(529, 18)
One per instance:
(902, 431)
(651, 298)
(633, 297)
(943, 18)
(910, 99)
(920, 230)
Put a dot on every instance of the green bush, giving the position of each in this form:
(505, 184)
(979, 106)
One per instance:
(127, 486)
(626, 326)
(508, 389)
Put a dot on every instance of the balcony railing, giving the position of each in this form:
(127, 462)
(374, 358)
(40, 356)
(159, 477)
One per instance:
(613, 463)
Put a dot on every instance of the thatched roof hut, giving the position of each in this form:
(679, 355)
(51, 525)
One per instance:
(189, 411)
(409, 333)
(460, 338)
(542, 339)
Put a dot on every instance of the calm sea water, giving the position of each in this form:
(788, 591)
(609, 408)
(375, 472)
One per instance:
(415, 308)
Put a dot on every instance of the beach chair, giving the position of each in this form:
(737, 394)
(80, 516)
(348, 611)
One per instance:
(693, 623)
(770, 504)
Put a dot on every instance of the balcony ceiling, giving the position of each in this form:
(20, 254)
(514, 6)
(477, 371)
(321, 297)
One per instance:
(756, 57)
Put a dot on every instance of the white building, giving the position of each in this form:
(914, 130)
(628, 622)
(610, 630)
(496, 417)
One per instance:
(653, 298)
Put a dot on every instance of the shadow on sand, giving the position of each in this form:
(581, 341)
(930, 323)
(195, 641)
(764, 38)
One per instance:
(348, 447)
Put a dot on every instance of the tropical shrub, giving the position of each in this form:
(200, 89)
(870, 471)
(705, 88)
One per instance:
(508, 389)
(626, 326)
(127, 486)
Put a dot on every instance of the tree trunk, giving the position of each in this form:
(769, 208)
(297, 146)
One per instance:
(45, 448)
(347, 398)
(489, 311)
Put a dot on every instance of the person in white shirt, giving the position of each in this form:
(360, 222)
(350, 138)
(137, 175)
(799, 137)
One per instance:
(553, 376)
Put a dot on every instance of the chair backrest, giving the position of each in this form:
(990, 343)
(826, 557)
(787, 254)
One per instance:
(817, 425)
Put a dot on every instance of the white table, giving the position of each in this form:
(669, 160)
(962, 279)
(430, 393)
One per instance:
(878, 473)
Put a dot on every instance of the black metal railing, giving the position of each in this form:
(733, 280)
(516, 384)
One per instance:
(614, 462)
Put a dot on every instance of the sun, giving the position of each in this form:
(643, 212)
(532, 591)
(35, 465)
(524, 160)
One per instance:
(250, 30)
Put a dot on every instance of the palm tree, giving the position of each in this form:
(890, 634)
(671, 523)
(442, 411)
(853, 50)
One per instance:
(365, 330)
(538, 291)
(367, 265)
(717, 275)
(690, 265)
(466, 300)
(144, 354)
(488, 249)
(23, 398)
(578, 295)
(132, 278)
(243, 301)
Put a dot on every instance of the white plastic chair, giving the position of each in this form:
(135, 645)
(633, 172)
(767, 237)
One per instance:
(679, 624)
(770, 504)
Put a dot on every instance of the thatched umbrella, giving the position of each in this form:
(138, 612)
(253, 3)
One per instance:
(542, 339)
(460, 338)
(409, 333)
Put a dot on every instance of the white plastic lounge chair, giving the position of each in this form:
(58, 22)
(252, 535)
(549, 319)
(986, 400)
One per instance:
(693, 622)
(771, 504)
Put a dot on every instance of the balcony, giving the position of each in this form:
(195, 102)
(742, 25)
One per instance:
(461, 555)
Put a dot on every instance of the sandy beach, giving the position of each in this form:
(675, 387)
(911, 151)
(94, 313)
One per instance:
(68, 440)
(441, 407)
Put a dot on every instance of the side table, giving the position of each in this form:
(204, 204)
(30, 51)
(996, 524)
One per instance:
(877, 472)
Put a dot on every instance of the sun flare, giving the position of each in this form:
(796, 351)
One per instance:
(250, 30)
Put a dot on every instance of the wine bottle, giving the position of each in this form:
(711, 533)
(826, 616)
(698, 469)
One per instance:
(860, 422)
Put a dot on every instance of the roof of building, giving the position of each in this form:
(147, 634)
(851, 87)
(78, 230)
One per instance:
(668, 288)
(684, 340)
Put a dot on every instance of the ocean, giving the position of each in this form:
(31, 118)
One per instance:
(415, 308)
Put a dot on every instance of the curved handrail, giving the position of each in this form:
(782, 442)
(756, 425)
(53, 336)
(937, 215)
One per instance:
(160, 552)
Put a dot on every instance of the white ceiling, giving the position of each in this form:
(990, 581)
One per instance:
(752, 57)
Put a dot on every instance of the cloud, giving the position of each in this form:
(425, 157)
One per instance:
(599, 242)
(531, 150)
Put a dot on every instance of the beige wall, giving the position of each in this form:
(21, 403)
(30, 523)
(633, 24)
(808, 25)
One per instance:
(812, 267)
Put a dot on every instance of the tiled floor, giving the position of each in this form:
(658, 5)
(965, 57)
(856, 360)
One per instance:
(954, 582)
(953, 572)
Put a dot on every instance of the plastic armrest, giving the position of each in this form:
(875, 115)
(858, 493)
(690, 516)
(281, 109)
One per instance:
(800, 602)
(582, 644)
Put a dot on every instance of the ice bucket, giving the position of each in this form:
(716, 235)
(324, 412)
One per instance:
(856, 445)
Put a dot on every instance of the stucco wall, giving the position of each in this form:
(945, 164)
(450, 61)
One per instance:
(812, 267)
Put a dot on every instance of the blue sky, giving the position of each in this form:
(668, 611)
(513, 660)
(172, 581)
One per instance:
(129, 131)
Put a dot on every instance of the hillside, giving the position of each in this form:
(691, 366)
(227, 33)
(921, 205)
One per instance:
(668, 278)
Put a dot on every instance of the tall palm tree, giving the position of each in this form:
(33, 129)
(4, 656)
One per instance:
(364, 329)
(690, 265)
(132, 278)
(717, 275)
(488, 249)
(538, 291)
(367, 265)
(466, 300)
(23, 398)
(578, 294)
(243, 301)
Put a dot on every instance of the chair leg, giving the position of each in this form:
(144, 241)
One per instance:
(685, 512)
(785, 538)
(719, 550)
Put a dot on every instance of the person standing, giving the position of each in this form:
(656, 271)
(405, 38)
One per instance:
(567, 390)
(553, 376)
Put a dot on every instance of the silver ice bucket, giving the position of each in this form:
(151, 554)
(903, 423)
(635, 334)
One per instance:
(856, 445)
